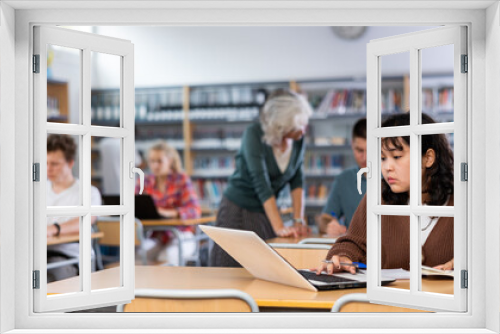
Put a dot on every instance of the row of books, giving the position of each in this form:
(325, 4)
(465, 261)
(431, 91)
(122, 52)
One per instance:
(210, 191)
(167, 133)
(441, 100)
(392, 101)
(445, 99)
(112, 113)
(229, 114)
(317, 191)
(323, 163)
(212, 163)
(227, 95)
(342, 101)
(219, 133)
(53, 110)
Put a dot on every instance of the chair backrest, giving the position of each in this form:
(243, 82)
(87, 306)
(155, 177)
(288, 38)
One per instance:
(357, 302)
(110, 226)
(202, 300)
(323, 241)
(347, 299)
(302, 256)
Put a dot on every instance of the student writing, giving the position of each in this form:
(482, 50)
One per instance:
(63, 189)
(344, 198)
(437, 189)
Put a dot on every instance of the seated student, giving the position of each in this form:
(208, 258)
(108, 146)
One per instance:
(63, 189)
(437, 189)
(344, 198)
(174, 196)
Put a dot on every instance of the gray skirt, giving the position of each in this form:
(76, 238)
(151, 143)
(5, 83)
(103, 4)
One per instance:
(231, 215)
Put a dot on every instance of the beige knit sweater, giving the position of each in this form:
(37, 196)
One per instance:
(438, 248)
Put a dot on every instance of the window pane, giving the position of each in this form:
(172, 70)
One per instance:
(395, 78)
(63, 170)
(437, 169)
(437, 82)
(63, 251)
(107, 168)
(436, 239)
(63, 84)
(395, 254)
(106, 85)
(109, 246)
(395, 168)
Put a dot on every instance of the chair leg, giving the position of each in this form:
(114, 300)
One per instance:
(98, 256)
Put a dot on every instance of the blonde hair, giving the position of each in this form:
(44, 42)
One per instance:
(284, 111)
(170, 152)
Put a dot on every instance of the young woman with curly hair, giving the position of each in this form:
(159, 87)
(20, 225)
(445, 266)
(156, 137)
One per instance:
(437, 189)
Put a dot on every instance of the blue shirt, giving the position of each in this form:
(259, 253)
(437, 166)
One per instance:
(344, 198)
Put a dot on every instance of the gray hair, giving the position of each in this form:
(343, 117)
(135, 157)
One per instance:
(283, 112)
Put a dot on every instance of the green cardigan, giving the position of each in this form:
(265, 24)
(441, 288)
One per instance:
(257, 176)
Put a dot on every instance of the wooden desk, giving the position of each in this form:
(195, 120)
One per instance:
(268, 295)
(64, 239)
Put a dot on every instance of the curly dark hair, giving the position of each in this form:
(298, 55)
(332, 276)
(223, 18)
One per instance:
(63, 143)
(437, 180)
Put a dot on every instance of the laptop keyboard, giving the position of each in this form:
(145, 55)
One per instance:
(324, 278)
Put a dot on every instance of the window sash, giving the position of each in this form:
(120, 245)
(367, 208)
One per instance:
(413, 42)
(86, 43)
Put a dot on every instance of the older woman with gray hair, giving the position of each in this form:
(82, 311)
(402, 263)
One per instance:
(270, 157)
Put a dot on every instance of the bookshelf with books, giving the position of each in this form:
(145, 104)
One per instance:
(57, 101)
(205, 123)
(338, 103)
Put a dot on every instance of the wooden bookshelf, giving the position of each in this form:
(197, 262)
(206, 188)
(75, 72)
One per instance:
(206, 122)
(58, 101)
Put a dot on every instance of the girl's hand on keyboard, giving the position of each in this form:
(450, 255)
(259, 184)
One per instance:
(333, 265)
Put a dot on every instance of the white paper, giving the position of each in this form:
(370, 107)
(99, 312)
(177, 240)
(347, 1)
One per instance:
(395, 273)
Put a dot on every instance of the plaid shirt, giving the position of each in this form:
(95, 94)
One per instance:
(179, 194)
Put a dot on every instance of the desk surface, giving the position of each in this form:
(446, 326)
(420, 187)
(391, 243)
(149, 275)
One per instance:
(178, 222)
(64, 239)
(266, 294)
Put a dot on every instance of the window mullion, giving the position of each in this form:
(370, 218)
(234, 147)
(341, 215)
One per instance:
(85, 241)
(415, 186)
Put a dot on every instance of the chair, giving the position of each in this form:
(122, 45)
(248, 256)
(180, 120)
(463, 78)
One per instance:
(353, 303)
(206, 300)
(350, 298)
(111, 228)
(301, 256)
(323, 241)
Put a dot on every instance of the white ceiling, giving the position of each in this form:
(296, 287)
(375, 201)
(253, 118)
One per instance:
(229, 4)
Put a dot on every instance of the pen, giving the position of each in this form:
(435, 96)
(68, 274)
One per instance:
(357, 265)
(360, 265)
(350, 265)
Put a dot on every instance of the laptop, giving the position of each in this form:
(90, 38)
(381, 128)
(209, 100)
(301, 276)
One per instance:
(263, 262)
(145, 207)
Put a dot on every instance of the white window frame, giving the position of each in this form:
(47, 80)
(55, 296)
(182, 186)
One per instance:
(412, 44)
(124, 51)
(483, 314)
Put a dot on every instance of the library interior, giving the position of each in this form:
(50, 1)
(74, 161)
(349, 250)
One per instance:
(201, 95)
